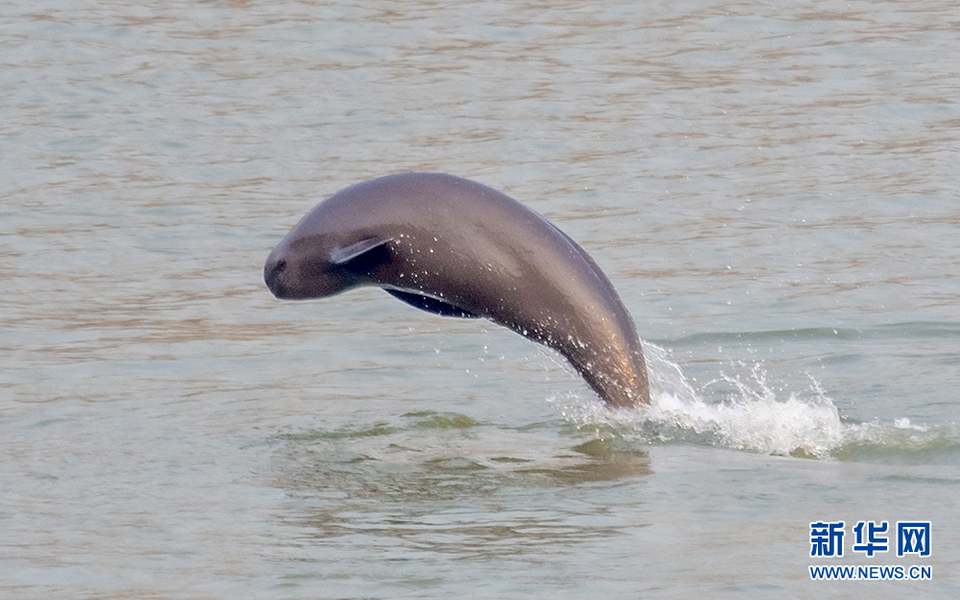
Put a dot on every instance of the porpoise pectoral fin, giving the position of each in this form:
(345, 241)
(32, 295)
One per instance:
(345, 254)
(431, 304)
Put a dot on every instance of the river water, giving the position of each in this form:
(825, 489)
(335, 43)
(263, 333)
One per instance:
(773, 187)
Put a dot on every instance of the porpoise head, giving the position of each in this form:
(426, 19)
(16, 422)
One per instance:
(316, 266)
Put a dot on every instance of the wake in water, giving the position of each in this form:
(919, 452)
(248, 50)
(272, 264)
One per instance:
(756, 419)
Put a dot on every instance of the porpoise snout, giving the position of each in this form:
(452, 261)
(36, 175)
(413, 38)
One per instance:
(273, 271)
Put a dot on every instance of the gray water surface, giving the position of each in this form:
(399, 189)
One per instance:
(772, 186)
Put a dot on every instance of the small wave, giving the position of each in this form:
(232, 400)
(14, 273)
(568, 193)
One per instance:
(756, 417)
(901, 440)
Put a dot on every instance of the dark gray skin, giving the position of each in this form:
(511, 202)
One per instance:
(458, 248)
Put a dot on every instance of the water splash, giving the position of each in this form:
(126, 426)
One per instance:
(755, 417)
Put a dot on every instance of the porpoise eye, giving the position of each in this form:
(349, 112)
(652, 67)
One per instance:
(280, 266)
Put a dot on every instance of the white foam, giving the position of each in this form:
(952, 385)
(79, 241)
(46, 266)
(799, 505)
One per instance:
(755, 417)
